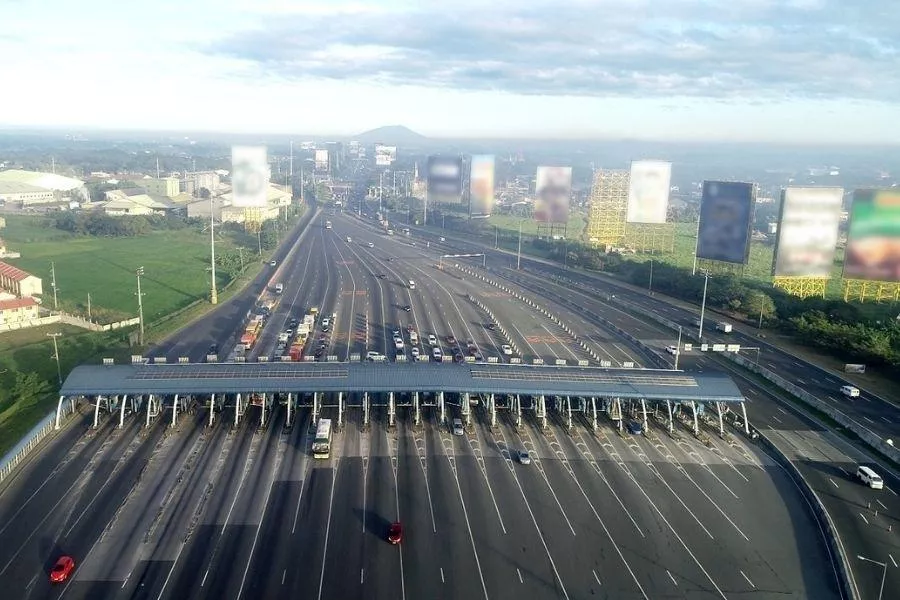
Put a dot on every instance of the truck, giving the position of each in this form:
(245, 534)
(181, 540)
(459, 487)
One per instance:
(296, 351)
(248, 339)
(723, 327)
(412, 284)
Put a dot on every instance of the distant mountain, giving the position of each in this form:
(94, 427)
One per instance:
(394, 135)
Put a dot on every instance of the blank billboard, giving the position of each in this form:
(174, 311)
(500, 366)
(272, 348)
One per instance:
(444, 179)
(481, 186)
(551, 194)
(807, 231)
(726, 215)
(873, 240)
(648, 191)
(249, 175)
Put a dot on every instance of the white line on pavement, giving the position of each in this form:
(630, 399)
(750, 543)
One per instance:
(748, 579)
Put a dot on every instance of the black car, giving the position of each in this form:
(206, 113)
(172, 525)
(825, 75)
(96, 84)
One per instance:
(491, 326)
(213, 349)
(407, 308)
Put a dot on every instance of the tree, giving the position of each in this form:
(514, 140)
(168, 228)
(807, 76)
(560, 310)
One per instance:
(28, 388)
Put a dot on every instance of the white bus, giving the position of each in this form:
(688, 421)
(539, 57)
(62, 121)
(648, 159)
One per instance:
(322, 444)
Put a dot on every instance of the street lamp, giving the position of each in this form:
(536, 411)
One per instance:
(519, 253)
(883, 575)
(678, 348)
(139, 272)
(56, 356)
(703, 305)
(650, 285)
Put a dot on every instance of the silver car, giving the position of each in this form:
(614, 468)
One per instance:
(524, 457)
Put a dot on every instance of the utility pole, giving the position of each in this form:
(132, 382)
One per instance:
(761, 305)
(213, 293)
(678, 348)
(89, 306)
(53, 284)
(519, 252)
(703, 305)
(259, 239)
(139, 272)
(240, 250)
(650, 285)
(56, 356)
(496, 237)
(292, 162)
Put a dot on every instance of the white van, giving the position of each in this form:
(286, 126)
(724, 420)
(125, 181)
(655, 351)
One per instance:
(850, 391)
(869, 477)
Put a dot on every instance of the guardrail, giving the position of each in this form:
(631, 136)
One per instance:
(28, 443)
(835, 545)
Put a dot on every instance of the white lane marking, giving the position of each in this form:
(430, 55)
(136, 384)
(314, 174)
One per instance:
(670, 577)
(882, 504)
(864, 518)
(442, 575)
(868, 419)
(471, 535)
(520, 575)
(891, 556)
(172, 570)
(597, 578)
(327, 530)
(283, 575)
(304, 445)
(890, 490)
(362, 576)
(885, 419)
(748, 579)
(832, 482)
(776, 419)
(781, 410)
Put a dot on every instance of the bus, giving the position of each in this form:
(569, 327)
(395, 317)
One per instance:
(322, 444)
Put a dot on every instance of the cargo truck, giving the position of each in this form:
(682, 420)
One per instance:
(723, 327)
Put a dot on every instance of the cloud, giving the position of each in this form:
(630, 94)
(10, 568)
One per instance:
(770, 49)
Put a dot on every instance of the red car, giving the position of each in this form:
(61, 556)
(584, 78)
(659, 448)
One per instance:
(395, 534)
(62, 569)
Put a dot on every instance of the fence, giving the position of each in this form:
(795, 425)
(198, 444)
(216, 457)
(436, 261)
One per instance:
(29, 442)
(68, 319)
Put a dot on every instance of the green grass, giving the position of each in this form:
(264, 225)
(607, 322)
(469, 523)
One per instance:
(174, 261)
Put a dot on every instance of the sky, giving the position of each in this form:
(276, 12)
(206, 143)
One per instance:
(781, 71)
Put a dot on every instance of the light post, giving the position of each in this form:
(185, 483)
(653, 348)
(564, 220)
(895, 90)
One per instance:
(139, 272)
(678, 348)
(519, 252)
(259, 239)
(650, 285)
(56, 356)
(761, 305)
(213, 293)
(496, 238)
(240, 250)
(883, 575)
(703, 304)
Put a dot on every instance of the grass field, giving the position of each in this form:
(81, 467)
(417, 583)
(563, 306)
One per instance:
(174, 261)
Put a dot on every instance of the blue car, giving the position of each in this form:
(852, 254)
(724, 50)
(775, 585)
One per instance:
(635, 427)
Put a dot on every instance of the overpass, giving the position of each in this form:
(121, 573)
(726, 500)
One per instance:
(621, 393)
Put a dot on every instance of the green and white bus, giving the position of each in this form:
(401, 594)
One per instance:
(321, 447)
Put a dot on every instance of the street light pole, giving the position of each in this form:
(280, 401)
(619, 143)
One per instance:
(53, 284)
(703, 305)
(883, 575)
(650, 285)
(213, 293)
(139, 272)
(259, 239)
(678, 348)
(519, 252)
(496, 237)
(56, 356)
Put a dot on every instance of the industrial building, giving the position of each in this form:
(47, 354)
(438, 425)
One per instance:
(168, 187)
(31, 188)
(277, 197)
(120, 202)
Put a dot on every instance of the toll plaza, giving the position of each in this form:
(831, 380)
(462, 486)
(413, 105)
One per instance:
(626, 396)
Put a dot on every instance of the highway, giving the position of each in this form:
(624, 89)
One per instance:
(864, 517)
(245, 512)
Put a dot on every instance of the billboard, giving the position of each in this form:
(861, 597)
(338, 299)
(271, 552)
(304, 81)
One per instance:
(551, 194)
(385, 155)
(648, 191)
(444, 179)
(807, 231)
(249, 175)
(481, 185)
(321, 160)
(726, 216)
(873, 240)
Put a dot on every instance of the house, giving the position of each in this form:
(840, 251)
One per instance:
(125, 202)
(16, 281)
(18, 310)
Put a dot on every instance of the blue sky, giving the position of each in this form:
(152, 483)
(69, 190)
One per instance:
(761, 70)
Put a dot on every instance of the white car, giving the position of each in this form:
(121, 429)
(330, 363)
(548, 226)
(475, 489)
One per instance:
(432, 341)
(507, 349)
(415, 351)
(373, 356)
(524, 457)
(371, 245)
(398, 343)
(672, 350)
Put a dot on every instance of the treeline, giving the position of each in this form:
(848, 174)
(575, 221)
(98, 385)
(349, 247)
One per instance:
(101, 225)
(851, 331)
